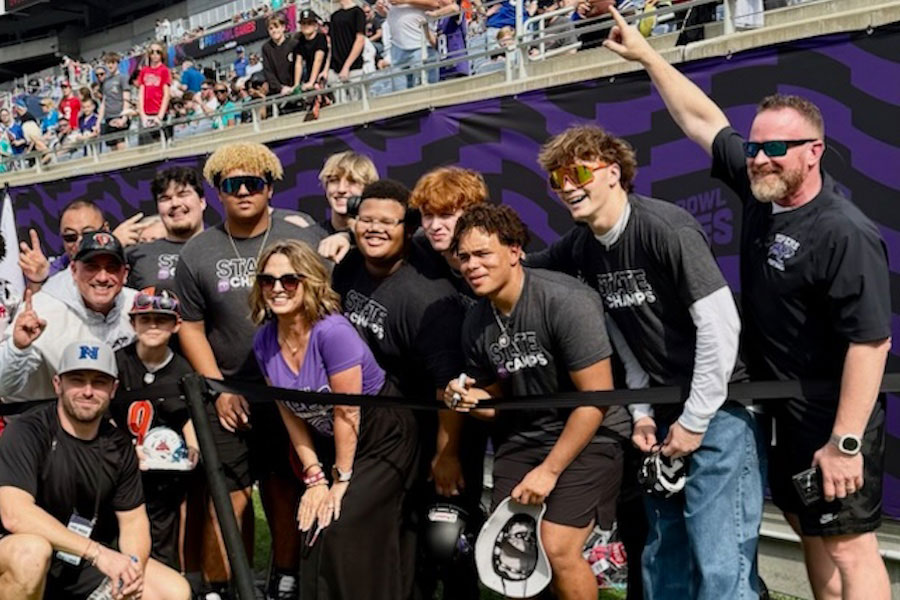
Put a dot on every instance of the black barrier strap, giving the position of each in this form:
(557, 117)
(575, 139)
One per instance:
(746, 393)
(161, 390)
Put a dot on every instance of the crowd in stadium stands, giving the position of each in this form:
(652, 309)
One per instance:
(427, 295)
(54, 117)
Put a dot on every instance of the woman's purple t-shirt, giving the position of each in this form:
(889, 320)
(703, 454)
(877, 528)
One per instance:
(334, 346)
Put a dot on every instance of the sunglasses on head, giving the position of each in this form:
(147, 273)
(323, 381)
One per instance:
(579, 175)
(772, 148)
(289, 281)
(145, 301)
(232, 185)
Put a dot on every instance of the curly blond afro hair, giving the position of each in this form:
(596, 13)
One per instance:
(251, 157)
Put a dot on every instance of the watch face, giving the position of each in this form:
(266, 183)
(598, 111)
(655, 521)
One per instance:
(849, 444)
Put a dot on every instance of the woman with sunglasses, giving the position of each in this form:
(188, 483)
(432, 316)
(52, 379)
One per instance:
(305, 343)
(153, 92)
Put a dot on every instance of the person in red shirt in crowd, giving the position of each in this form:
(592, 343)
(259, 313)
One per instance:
(154, 94)
(70, 105)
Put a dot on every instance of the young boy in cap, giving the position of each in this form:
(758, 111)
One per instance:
(164, 434)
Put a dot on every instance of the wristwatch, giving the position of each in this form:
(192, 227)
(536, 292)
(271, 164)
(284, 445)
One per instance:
(338, 476)
(849, 444)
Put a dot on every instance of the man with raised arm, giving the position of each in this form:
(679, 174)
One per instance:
(816, 298)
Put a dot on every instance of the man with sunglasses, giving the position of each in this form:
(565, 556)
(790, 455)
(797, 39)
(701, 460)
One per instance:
(93, 305)
(77, 218)
(213, 280)
(661, 287)
(153, 92)
(816, 291)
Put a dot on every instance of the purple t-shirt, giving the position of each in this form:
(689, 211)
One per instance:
(334, 346)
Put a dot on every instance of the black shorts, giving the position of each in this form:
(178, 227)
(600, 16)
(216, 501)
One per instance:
(234, 452)
(796, 443)
(588, 489)
(65, 582)
(164, 492)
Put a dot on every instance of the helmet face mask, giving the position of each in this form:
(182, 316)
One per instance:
(661, 476)
(509, 554)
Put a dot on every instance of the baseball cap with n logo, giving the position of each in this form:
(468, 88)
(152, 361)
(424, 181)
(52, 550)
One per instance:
(92, 355)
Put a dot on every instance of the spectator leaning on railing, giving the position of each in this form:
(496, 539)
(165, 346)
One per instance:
(154, 94)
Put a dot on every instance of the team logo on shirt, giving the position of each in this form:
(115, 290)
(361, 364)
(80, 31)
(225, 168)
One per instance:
(521, 350)
(235, 273)
(316, 415)
(365, 313)
(622, 289)
(166, 266)
(783, 248)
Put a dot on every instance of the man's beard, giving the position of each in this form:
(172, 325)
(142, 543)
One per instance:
(181, 229)
(780, 186)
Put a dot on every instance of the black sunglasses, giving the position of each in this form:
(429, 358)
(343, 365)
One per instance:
(155, 51)
(773, 147)
(221, 91)
(71, 238)
(232, 185)
(289, 281)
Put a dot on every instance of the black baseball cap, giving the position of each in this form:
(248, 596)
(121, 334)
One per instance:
(100, 242)
(308, 15)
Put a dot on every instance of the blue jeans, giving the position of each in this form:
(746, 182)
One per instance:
(400, 58)
(702, 543)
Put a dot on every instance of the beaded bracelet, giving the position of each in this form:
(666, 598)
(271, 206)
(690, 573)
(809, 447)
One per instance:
(317, 479)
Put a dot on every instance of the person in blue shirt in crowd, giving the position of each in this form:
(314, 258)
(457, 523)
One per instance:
(240, 63)
(191, 77)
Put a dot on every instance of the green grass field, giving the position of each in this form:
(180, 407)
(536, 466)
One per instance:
(261, 552)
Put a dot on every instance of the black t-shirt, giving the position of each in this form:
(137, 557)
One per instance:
(556, 327)
(412, 324)
(813, 279)
(648, 279)
(278, 63)
(432, 265)
(67, 475)
(140, 416)
(308, 48)
(213, 282)
(346, 23)
(153, 263)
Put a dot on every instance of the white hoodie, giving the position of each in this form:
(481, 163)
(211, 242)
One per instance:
(28, 374)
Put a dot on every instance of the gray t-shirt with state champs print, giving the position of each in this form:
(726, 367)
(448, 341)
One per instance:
(153, 263)
(213, 283)
(556, 327)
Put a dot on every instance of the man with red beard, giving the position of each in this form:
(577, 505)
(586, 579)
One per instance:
(816, 292)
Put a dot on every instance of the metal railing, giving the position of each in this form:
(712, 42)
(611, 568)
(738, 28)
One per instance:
(170, 134)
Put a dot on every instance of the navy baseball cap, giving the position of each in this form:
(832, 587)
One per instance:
(100, 242)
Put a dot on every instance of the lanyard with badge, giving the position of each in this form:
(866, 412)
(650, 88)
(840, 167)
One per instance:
(79, 524)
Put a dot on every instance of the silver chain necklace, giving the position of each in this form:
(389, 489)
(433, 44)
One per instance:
(503, 340)
(261, 246)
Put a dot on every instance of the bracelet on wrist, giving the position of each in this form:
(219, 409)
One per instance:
(315, 464)
(317, 479)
